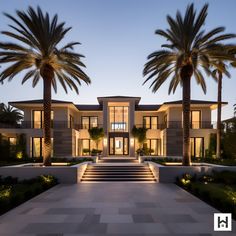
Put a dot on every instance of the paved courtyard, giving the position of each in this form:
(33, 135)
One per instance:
(112, 209)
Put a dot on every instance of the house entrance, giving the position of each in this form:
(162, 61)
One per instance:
(119, 146)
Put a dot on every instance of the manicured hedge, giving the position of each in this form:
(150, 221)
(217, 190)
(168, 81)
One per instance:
(218, 189)
(14, 192)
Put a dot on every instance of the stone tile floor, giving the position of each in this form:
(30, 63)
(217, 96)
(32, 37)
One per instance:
(112, 209)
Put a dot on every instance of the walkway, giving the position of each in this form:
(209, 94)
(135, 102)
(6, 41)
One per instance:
(112, 209)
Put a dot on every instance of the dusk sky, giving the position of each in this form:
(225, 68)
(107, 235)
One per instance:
(117, 36)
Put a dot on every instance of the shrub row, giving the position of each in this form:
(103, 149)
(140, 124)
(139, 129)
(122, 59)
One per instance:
(14, 192)
(218, 189)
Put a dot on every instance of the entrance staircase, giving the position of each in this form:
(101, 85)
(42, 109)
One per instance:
(118, 173)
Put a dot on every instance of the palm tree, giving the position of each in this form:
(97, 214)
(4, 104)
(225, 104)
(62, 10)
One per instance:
(9, 115)
(217, 73)
(37, 52)
(189, 49)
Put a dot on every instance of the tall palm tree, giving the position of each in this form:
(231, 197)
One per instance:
(217, 73)
(9, 115)
(189, 48)
(37, 52)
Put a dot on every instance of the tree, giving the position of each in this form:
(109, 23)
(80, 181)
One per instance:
(96, 134)
(9, 115)
(37, 52)
(189, 48)
(140, 134)
(235, 109)
(220, 69)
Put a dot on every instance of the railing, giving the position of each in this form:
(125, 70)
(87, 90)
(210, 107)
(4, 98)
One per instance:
(179, 125)
(54, 125)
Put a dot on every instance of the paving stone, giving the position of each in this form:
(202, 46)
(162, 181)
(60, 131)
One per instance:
(143, 218)
(112, 209)
(70, 211)
(116, 218)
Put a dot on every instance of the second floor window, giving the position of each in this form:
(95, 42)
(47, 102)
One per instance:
(150, 122)
(37, 119)
(89, 122)
(195, 119)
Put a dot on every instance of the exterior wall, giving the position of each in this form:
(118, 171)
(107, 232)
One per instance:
(67, 142)
(203, 133)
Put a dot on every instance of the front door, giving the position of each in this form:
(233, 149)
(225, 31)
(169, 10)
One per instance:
(119, 146)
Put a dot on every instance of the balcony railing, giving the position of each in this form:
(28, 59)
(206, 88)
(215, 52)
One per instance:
(179, 125)
(54, 125)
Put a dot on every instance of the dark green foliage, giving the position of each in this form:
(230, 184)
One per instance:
(228, 141)
(140, 134)
(10, 115)
(95, 152)
(211, 151)
(218, 189)
(13, 152)
(96, 134)
(144, 151)
(14, 192)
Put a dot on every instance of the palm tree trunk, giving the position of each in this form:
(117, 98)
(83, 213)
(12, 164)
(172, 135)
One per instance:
(47, 74)
(219, 100)
(186, 74)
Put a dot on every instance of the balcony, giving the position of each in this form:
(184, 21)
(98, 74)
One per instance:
(54, 125)
(179, 125)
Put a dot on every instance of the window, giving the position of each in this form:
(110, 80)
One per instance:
(37, 119)
(197, 147)
(87, 146)
(150, 122)
(36, 147)
(119, 118)
(89, 122)
(12, 141)
(154, 145)
(195, 119)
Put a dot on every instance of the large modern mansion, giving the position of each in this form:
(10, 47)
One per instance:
(117, 115)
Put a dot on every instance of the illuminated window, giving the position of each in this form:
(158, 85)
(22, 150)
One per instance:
(197, 147)
(150, 122)
(89, 122)
(119, 118)
(38, 119)
(37, 147)
(195, 119)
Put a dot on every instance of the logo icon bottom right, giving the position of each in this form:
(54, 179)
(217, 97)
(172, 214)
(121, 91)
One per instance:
(222, 222)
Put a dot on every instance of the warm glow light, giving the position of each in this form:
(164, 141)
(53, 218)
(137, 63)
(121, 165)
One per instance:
(132, 141)
(105, 141)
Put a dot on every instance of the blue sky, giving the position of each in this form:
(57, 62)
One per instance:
(117, 36)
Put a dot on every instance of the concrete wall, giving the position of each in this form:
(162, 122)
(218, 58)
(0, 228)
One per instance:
(64, 174)
(168, 174)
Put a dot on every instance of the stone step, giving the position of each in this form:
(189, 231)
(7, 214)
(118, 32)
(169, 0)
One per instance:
(100, 173)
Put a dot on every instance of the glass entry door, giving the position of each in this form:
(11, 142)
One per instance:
(119, 146)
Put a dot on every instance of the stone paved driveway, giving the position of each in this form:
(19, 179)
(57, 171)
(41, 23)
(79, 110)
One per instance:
(112, 209)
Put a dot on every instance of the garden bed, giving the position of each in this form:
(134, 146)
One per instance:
(14, 192)
(202, 161)
(218, 189)
(38, 161)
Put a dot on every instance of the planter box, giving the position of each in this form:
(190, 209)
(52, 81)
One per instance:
(64, 174)
(168, 174)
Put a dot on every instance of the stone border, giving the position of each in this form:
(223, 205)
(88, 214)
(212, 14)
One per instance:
(168, 174)
(64, 174)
